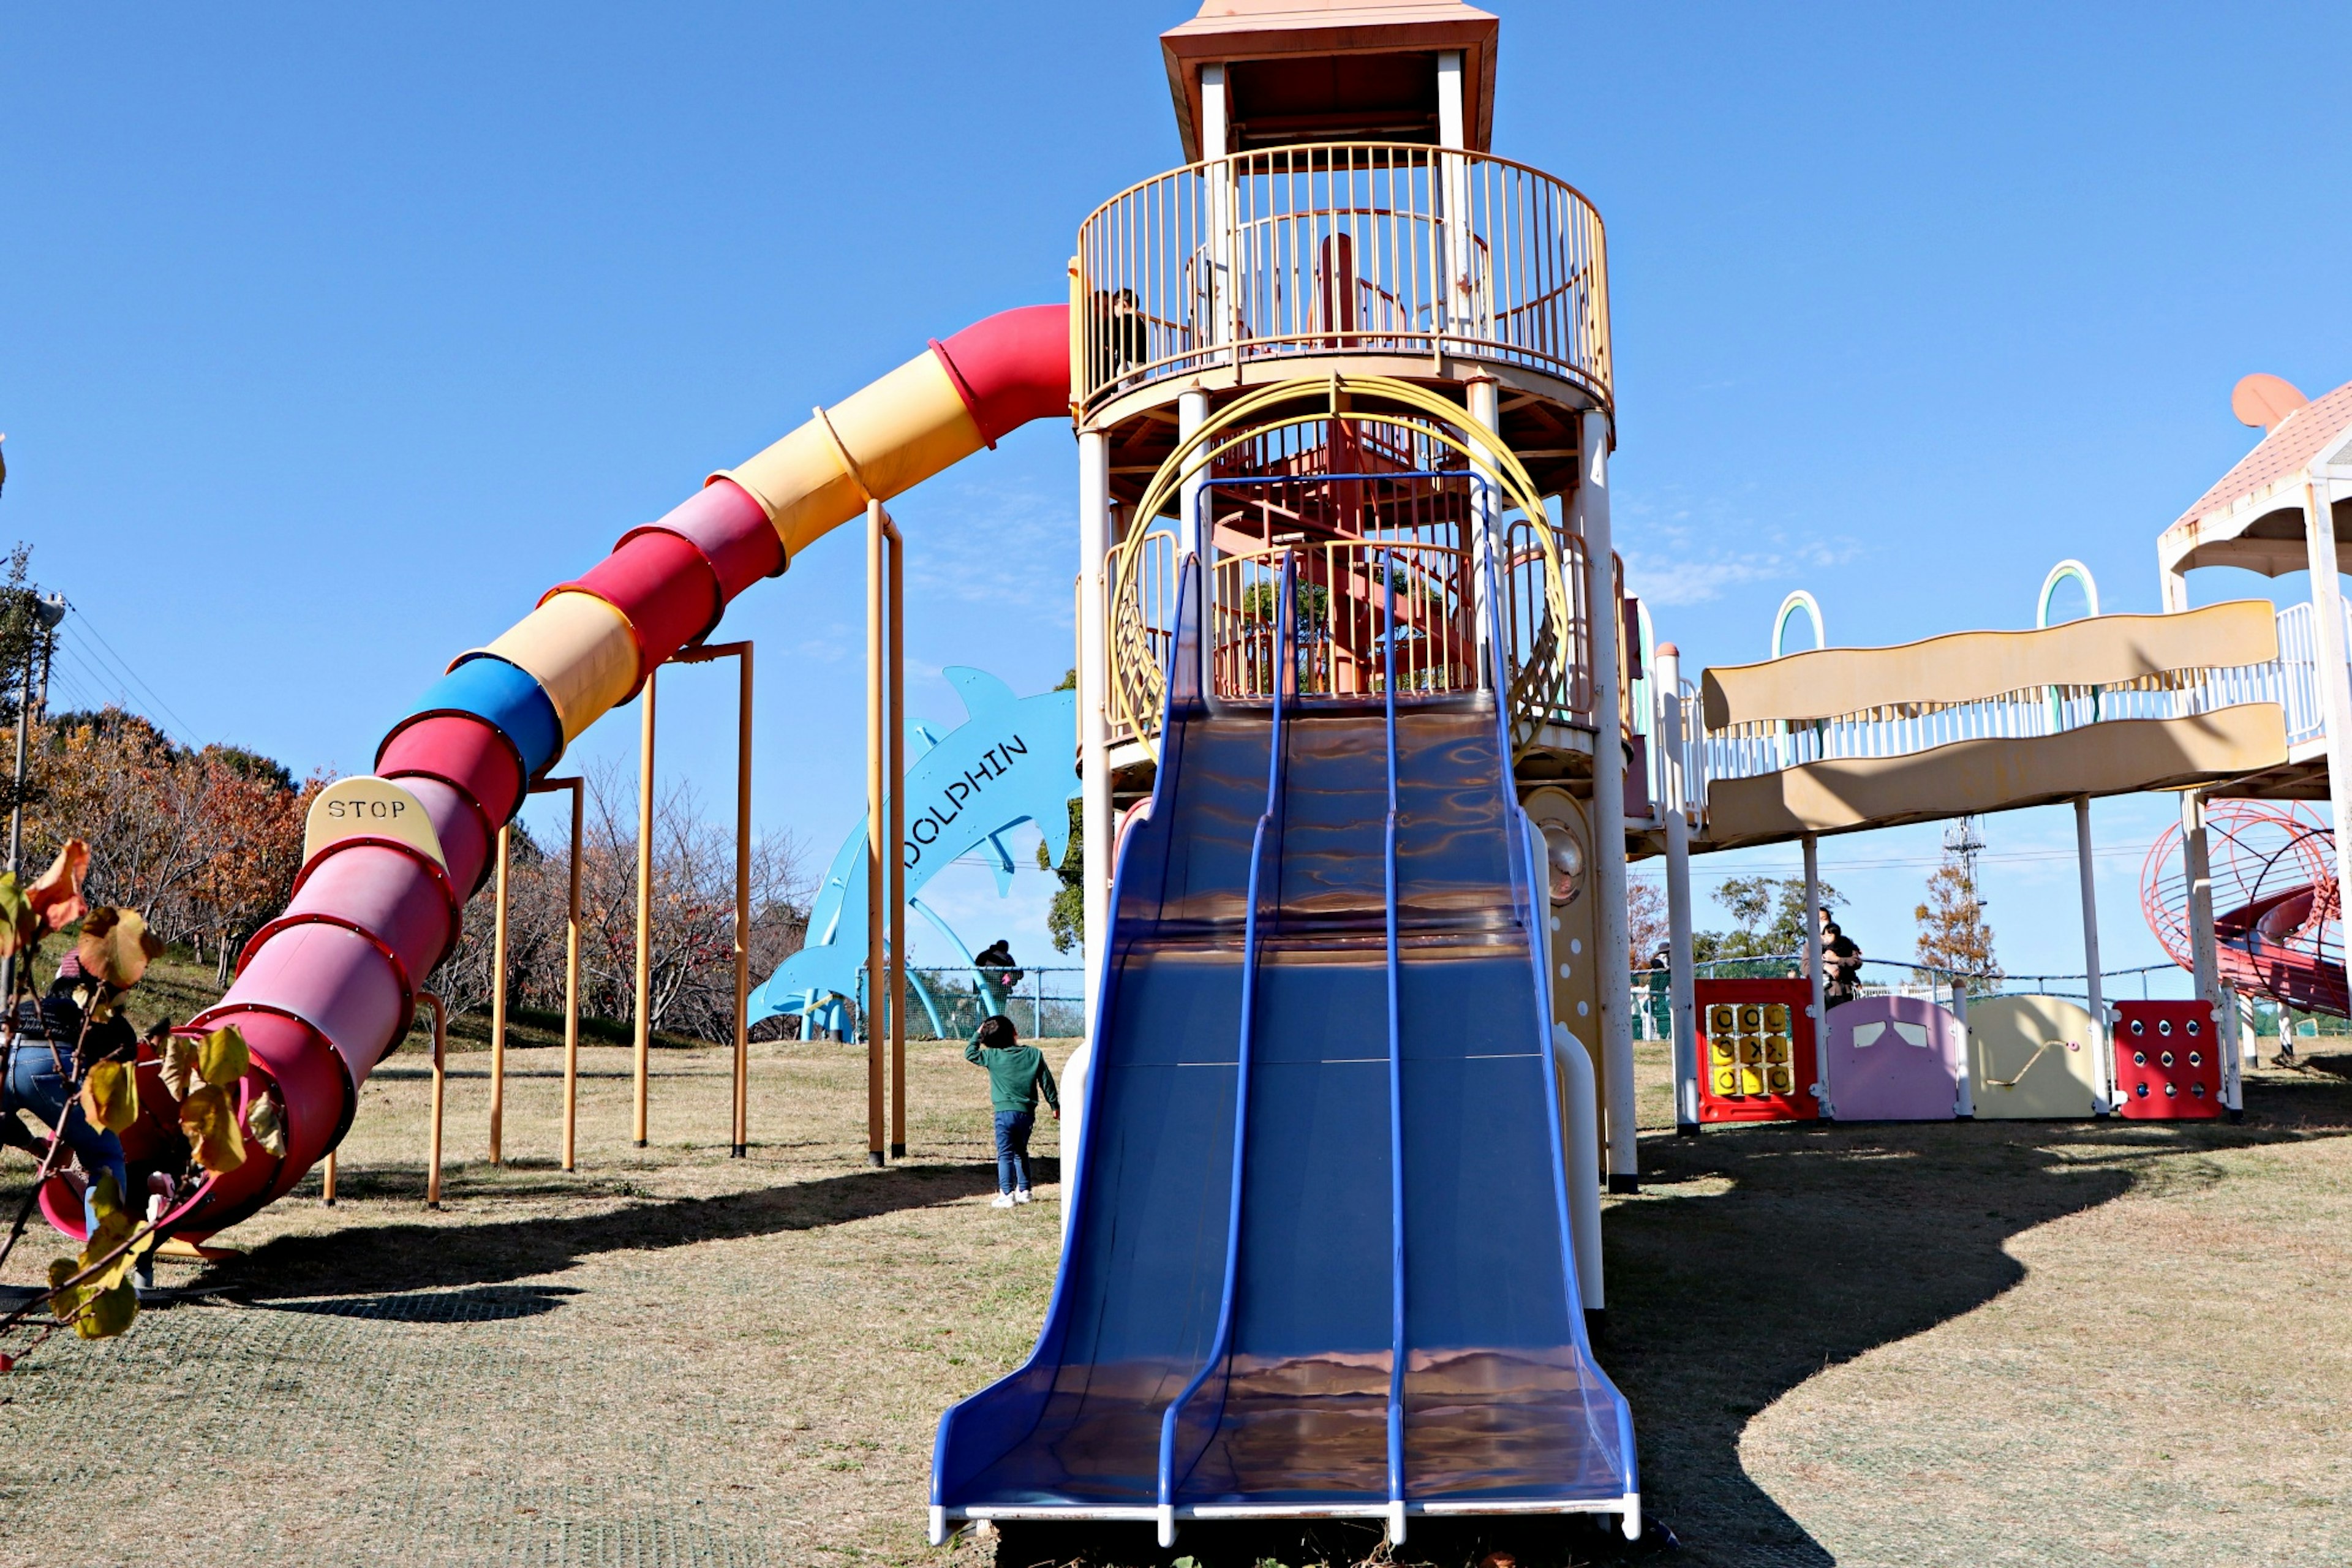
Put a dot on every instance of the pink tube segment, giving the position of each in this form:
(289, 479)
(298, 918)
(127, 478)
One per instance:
(1013, 367)
(391, 891)
(333, 979)
(459, 823)
(726, 525)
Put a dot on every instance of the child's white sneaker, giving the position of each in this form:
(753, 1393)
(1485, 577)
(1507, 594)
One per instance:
(1002, 1201)
(1022, 1196)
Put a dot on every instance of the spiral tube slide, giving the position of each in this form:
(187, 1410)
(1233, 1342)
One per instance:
(324, 991)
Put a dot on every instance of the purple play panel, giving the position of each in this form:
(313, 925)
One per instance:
(1893, 1059)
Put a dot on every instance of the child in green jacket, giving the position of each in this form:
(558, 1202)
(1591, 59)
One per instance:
(1017, 1074)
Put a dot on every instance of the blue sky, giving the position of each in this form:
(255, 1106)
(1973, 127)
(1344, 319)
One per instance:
(335, 335)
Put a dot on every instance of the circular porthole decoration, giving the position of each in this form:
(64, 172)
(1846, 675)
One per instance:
(2166, 1059)
(2139, 1027)
(2197, 1058)
(2192, 1025)
(2139, 1058)
(2164, 1026)
(2198, 1089)
(2172, 1091)
(2140, 1090)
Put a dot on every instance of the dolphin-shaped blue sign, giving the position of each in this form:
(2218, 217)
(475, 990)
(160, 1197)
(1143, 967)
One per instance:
(1008, 763)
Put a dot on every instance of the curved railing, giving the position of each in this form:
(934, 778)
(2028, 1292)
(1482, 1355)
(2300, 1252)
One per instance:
(1371, 248)
(1541, 621)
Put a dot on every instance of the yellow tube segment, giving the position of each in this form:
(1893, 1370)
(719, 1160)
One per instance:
(883, 439)
(581, 652)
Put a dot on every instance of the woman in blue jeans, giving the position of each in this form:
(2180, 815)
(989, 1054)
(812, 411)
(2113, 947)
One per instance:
(43, 1065)
(1017, 1074)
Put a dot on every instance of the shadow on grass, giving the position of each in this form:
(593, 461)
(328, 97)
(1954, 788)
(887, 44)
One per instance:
(411, 1257)
(1756, 1257)
(1833, 1240)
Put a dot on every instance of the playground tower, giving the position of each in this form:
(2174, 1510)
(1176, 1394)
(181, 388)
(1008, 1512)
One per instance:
(1347, 334)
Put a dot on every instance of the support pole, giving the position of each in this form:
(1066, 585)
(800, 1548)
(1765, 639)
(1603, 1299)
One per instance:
(2103, 1065)
(1480, 395)
(571, 970)
(738, 1136)
(895, 848)
(1964, 1087)
(2203, 950)
(440, 1096)
(1813, 973)
(1590, 509)
(876, 641)
(1094, 707)
(645, 977)
(2335, 676)
(327, 1182)
(498, 1005)
(1682, 972)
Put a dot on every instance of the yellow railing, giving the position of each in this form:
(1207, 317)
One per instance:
(1369, 248)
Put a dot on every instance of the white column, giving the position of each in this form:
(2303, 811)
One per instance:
(1457, 295)
(1813, 973)
(2102, 1064)
(1964, 1091)
(1216, 142)
(1681, 970)
(2204, 954)
(1589, 512)
(1094, 701)
(2334, 678)
(1196, 535)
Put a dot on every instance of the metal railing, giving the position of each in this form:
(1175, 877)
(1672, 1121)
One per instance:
(1749, 750)
(1366, 247)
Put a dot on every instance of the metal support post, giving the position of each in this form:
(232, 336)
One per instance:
(2103, 1065)
(1813, 973)
(1615, 980)
(894, 847)
(876, 639)
(498, 1004)
(739, 1124)
(2335, 676)
(570, 972)
(643, 1043)
(1964, 1087)
(1682, 972)
(1481, 395)
(440, 1096)
(2203, 950)
(1093, 706)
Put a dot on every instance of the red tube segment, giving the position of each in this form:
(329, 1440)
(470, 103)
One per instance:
(664, 587)
(457, 821)
(340, 982)
(727, 525)
(1011, 367)
(470, 755)
(389, 890)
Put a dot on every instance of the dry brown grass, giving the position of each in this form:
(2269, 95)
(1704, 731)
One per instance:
(2020, 1343)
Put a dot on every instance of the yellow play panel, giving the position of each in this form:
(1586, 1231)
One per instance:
(2031, 1058)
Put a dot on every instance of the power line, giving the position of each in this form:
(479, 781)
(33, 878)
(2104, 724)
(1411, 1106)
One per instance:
(188, 731)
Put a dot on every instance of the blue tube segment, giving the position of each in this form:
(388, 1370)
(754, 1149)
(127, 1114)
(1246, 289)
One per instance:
(509, 697)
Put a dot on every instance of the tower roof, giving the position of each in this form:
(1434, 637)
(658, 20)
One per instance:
(1332, 70)
(2254, 516)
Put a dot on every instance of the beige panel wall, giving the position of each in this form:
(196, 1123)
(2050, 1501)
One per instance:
(2116, 757)
(2105, 651)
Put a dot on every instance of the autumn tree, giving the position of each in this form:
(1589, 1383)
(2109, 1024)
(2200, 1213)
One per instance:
(1953, 934)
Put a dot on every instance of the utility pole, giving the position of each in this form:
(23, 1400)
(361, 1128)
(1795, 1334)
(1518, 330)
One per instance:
(44, 616)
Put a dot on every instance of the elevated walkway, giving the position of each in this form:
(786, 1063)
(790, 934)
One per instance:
(1839, 740)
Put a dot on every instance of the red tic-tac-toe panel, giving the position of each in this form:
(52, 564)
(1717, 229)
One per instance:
(2167, 1060)
(1756, 1056)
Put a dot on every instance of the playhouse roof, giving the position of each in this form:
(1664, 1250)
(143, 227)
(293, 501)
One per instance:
(1332, 70)
(2253, 517)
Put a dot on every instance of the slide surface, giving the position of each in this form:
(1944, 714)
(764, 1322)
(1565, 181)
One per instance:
(1323, 955)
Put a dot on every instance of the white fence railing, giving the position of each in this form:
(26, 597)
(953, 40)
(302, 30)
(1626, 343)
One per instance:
(1747, 750)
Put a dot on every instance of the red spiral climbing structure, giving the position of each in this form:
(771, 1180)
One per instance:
(2277, 911)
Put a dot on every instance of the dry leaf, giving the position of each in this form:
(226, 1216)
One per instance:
(210, 1122)
(110, 1313)
(56, 897)
(176, 1064)
(110, 1096)
(221, 1057)
(116, 945)
(267, 1124)
(17, 921)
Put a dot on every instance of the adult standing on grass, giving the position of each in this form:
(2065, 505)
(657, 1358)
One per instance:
(1017, 1074)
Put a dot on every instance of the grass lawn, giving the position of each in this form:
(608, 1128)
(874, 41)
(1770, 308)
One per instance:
(1966, 1344)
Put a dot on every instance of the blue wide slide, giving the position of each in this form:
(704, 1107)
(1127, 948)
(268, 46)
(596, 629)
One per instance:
(1319, 1262)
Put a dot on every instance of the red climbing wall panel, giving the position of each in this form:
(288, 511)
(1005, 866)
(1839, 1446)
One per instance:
(2167, 1060)
(1756, 1059)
